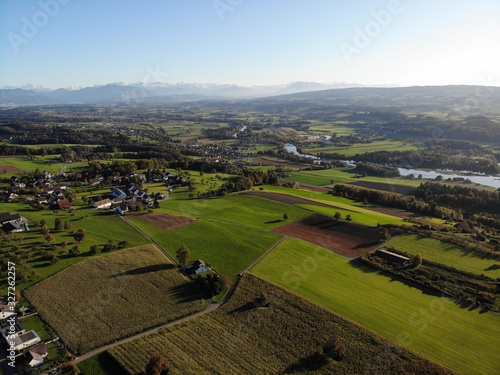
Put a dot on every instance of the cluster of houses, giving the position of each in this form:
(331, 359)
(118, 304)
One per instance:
(12, 223)
(19, 342)
(120, 200)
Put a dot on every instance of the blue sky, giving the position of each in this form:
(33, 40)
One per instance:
(62, 43)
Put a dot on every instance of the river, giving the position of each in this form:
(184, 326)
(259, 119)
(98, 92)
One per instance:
(492, 181)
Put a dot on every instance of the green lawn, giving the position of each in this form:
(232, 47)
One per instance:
(436, 327)
(246, 210)
(229, 248)
(34, 323)
(448, 254)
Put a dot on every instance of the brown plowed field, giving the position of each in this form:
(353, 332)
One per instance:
(9, 169)
(347, 239)
(164, 221)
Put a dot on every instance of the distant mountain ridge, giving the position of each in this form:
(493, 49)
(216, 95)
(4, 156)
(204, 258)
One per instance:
(467, 97)
(138, 92)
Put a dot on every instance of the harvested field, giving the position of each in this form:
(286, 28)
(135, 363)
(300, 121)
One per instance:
(284, 198)
(244, 337)
(114, 296)
(347, 239)
(393, 188)
(9, 169)
(164, 221)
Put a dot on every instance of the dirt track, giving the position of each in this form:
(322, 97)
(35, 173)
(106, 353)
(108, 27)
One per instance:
(348, 239)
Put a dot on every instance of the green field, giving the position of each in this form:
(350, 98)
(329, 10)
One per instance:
(101, 364)
(114, 296)
(325, 177)
(449, 254)
(360, 148)
(43, 163)
(245, 210)
(436, 327)
(359, 214)
(229, 248)
(284, 337)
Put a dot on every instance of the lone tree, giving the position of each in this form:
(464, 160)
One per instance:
(45, 229)
(417, 261)
(348, 217)
(285, 216)
(79, 235)
(384, 234)
(337, 216)
(334, 348)
(183, 255)
(58, 224)
(157, 366)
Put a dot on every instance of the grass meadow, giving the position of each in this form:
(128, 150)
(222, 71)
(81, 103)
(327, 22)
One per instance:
(343, 176)
(361, 148)
(345, 206)
(243, 337)
(245, 210)
(114, 296)
(101, 364)
(229, 248)
(447, 253)
(463, 340)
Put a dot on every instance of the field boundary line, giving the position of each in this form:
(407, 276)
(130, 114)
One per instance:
(151, 240)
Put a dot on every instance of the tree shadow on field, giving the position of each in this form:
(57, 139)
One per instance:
(147, 269)
(274, 221)
(358, 264)
(493, 267)
(367, 245)
(186, 293)
(312, 362)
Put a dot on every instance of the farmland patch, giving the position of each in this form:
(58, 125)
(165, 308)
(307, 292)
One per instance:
(107, 298)
(164, 221)
(284, 337)
(347, 239)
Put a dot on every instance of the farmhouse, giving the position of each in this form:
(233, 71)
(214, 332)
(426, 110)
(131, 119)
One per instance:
(62, 204)
(105, 203)
(36, 354)
(121, 209)
(13, 222)
(393, 258)
(117, 193)
(199, 266)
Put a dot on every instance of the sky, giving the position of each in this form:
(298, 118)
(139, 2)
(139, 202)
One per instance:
(68, 43)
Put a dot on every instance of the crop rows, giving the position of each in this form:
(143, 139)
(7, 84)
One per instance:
(243, 337)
